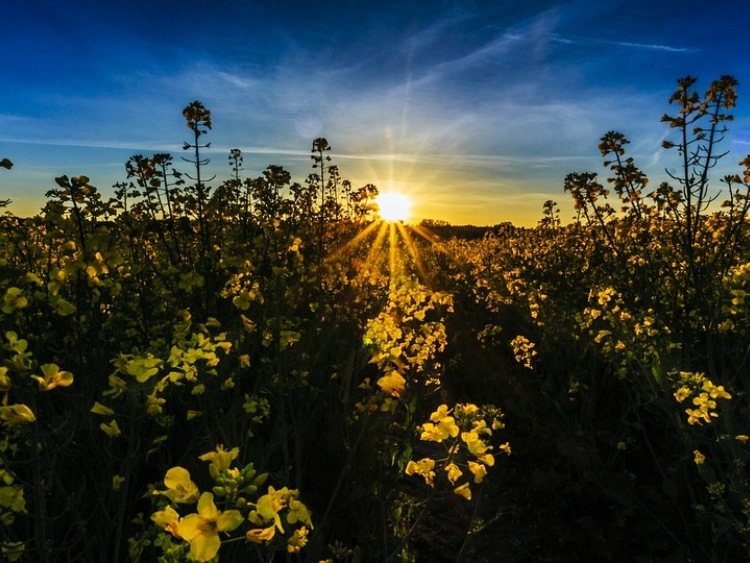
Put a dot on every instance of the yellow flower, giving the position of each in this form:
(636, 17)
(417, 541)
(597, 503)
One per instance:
(201, 530)
(437, 433)
(99, 408)
(393, 384)
(259, 535)
(505, 447)
(441, 412)
(220, 459)
(453, 472)
(479, 470)
(487, 459)
(423, 467)
(298, 540)
(111, 429)
(117, 386)
(142, 368)
(696, 415)
(475, 444)
(742, 438)
(53, 377)
(17, 414)
(298, 512)
(154, 404)
(268, 507)
(180, 489)
(469, 409)
(716, 391)
(463, 491)
(167, 520)
(5, 383)
(699, 457)
(13, 300)
(12, 551)
(117, 481)
(681, 394)
(12, 498)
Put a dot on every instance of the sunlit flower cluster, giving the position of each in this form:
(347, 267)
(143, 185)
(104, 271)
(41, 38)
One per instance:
(273, 515)
(704, 395)
(465, 435)
(524, 351)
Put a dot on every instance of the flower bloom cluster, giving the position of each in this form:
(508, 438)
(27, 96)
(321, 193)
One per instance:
(523, 350)
(704, 394)
(203, 529)
(465, 433)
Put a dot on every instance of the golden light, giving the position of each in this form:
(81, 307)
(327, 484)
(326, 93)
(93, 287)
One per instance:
(394, 207)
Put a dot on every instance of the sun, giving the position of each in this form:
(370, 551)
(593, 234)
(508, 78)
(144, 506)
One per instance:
(394, 207)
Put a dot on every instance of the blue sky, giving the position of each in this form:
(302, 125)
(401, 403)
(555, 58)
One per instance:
(478, 110)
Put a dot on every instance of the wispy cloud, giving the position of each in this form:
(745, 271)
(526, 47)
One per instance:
(629, 44)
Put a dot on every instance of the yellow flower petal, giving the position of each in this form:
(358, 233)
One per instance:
(259, 535)
(463, 491)
(229, 520)
(167, 520)
(111, 429)
(99, 408)
(191, 526)
(207, 507)
(205, 547)
(181, 488)
(393, 384)
(453, 472)
(479, 470)
(17, 414)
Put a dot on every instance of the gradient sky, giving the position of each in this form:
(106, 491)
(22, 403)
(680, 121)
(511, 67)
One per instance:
(478, 109)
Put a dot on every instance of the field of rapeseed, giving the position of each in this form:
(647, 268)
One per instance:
(266, 370)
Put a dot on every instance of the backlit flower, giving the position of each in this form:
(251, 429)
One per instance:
(220, 459)
(479, 470)
(463, 491)
(17, 414)
(440, 431)
(259, 535)
(424, 467)
(180, 489)
(393, 384)
(53, 377)
(298, 540)
(101, 409)
(453, 472)
(167, 520)
(201, 530)
(111, 428)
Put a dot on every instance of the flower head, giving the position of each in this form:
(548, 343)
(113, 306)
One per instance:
(479, 470)
(201, 530)
(180, 488)
(424, 467)
(53, 377)
(394, 384)
(220, 459)
(463, 491)
(167, 520)
(453, 472)
(298, 540)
